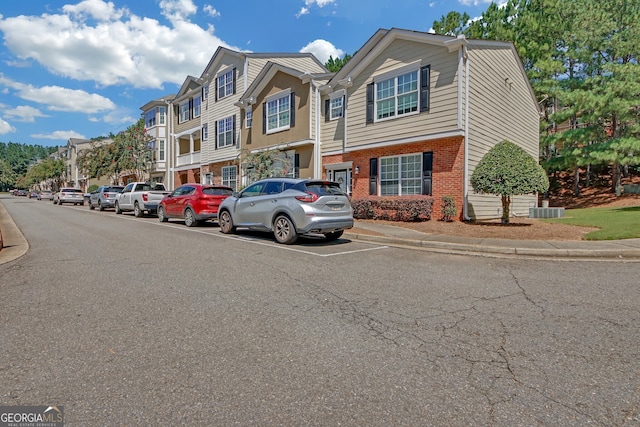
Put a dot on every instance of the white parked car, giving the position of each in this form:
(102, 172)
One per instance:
(69, 195)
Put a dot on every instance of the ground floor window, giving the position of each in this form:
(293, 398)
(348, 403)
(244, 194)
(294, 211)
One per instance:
(229, 176)
(401, 175)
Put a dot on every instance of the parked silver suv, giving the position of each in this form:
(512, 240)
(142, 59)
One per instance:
(288, 208)
(68, 195)
(104, 197)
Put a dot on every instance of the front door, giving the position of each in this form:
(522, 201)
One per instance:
(342, 178)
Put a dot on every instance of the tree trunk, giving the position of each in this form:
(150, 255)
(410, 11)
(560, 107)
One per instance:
(615, 177)
(588, 177)
(576, 181)
(506, 203)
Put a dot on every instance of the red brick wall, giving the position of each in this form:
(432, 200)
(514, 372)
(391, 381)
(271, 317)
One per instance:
(448, 168)
(186, 176)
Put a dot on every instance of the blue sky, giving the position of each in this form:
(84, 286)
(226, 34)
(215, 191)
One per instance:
(83, 68)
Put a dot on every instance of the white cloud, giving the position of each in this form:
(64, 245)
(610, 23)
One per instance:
(211, 11)
(24, 113)
(474, 2)
(5, 127)
(62, 135)
(322, 50)
(303, 11)
(320, 3)
(57, 98)
(94, 41)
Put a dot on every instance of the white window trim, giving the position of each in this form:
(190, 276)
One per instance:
(336, 95)
(220, 74)
(180, 111)
(398, 156)
(394, 74)
(205, 131)
(224, 119)
(275, 97)
(199, 106)
(248, 117)
(228, 182)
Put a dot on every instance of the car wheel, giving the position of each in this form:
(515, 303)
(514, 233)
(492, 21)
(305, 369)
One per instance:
(335, 235)
(226, 223)
(161, 216)
(100, 207)
(284, 230)
(136, 210)
(190, 218)
(91, 207)
(81, 203)
(117, 208)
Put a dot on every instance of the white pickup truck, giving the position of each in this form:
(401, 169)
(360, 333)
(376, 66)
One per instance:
(140, 197)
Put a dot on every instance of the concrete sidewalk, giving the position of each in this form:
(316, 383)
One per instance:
(14, 245)
(610, 250)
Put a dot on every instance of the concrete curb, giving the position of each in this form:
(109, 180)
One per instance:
(627, 254)
(14, 244)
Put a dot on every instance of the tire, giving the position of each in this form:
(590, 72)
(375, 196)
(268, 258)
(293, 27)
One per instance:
(117, 207)
(190, 218)
(284, 230)
(161, 216)
(91, 207)
(81, 203)
(137, 212)
(226, 223)
(335, 235)
(100, 207)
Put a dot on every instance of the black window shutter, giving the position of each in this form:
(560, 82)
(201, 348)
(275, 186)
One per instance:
(373, 176)
(234, 80)
(327, 113)
(425, 77)
(292, 122)
(264, 117)
(191, 108)
(427, 172)
(215, 131)
(217, 88)
(370, 104)
(233, 129)
(296, 165)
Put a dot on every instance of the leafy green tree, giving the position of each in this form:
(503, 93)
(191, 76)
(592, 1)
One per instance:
(132, 152)
(334, 65)
(47, 173)
(507, 170)
(453, 24)
(265, 164)
(7, 176)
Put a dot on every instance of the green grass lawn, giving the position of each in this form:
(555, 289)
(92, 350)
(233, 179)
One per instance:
(613, 223)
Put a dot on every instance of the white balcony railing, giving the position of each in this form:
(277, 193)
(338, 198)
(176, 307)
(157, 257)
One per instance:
(188, 159)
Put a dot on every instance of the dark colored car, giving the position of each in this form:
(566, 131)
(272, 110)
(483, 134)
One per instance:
(104, 197)
(288, 208)
(193, 202)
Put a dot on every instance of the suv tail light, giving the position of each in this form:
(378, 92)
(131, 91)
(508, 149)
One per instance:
(308, 197)
(145, 197)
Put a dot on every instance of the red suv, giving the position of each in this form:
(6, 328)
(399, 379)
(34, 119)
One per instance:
(193, 202)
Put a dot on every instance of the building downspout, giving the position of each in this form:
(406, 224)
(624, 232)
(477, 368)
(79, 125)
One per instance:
(465, 208)
(317, 147)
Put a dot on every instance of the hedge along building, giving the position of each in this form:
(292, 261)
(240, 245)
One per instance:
(414, 113)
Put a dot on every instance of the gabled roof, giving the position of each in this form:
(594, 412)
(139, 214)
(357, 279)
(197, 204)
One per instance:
(190, 83)
(383, 38)
(157, 102)
(222, 51)
(268, 72)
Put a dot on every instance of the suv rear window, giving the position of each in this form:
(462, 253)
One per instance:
(71, 190)
(325, 188)
(113, 189)
(217, 191)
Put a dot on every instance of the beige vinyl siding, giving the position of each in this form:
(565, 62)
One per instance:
(221, 109)
(332, 131)
(443, 113)
(501, 107)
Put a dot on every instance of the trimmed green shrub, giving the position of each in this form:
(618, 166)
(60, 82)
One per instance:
(402, 208)
(448, 209)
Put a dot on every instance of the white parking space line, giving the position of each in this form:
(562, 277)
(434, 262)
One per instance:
(250, 239)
